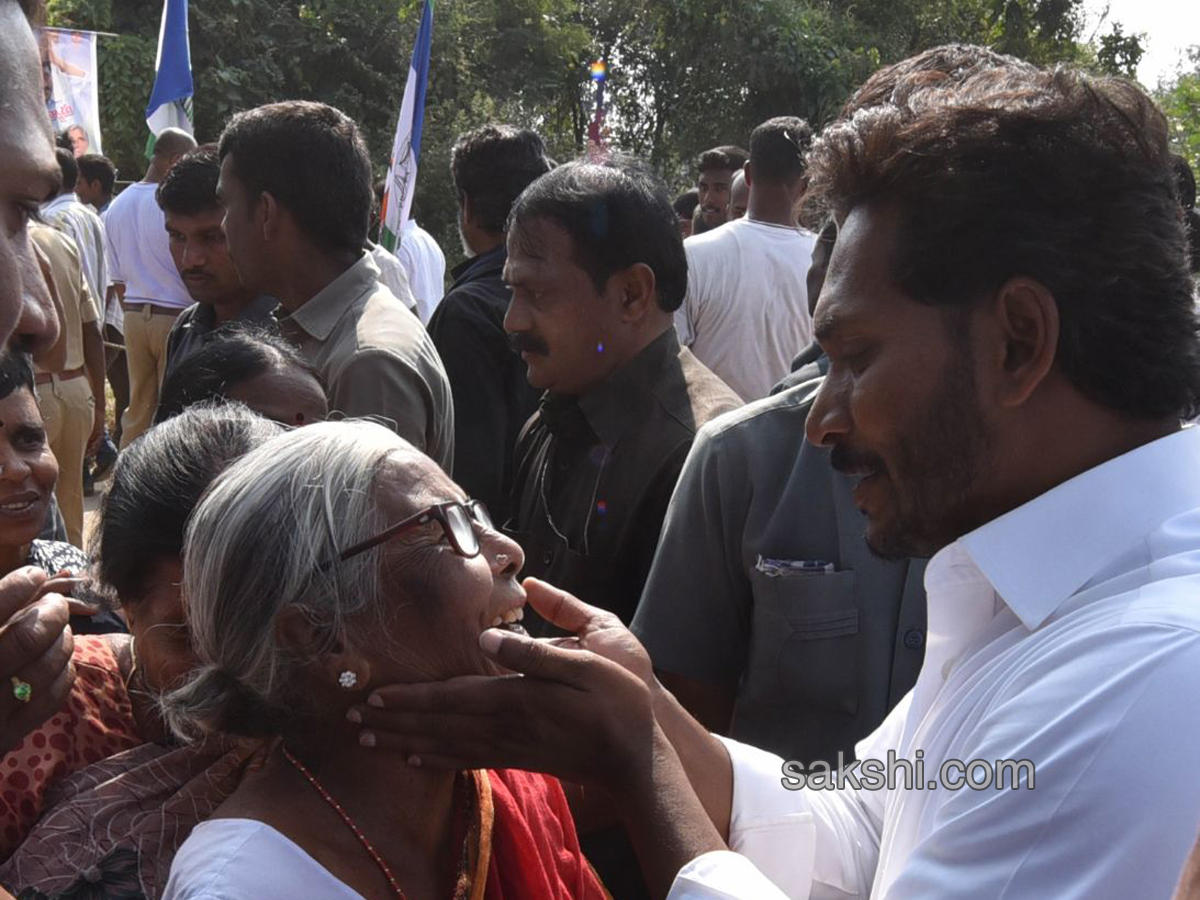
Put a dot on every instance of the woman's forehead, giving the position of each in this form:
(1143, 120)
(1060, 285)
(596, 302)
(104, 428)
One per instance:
(409, 481)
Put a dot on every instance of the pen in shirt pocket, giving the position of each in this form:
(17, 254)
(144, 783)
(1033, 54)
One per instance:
(784, 567)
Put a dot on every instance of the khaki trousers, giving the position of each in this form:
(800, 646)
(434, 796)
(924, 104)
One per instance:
(146, 333)
(68, 411)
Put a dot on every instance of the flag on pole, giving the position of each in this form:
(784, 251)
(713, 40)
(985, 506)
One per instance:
(170, 103)
(406, 149)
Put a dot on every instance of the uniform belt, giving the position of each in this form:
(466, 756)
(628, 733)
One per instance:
(47, 377)
(155, 309)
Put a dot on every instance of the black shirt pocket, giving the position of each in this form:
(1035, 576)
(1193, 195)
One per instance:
(804, 644)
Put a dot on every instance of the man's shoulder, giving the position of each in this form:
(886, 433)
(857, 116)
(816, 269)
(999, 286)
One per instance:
(778, 417)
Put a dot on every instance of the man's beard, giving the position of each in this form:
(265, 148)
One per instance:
(935, 465)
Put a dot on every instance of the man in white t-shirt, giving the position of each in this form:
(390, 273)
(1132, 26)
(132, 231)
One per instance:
(746, 314)
(425, 263)
(141, 269)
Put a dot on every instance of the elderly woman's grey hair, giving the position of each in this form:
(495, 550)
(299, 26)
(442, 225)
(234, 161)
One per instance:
(266, 537)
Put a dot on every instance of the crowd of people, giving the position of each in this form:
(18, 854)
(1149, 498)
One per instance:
(613, 562)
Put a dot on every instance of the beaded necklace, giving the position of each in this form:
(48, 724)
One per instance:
(355, 830)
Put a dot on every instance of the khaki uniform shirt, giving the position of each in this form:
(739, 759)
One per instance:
(376, 359)
(79, 307)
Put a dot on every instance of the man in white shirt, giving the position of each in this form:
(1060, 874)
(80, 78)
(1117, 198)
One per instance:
(425, 264)
(80, 221)
(1012, 406)
(745, 315)
(151, 292)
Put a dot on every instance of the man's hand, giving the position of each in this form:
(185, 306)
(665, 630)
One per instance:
(35, 648)
(569, 713)
(97, 435)
(591, 628)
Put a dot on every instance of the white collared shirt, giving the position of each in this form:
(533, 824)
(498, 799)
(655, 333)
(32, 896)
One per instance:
(425, 263)
(1066, 632)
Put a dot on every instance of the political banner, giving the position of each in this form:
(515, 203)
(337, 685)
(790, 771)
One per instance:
(71, 84)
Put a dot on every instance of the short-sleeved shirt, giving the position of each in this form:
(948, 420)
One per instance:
(745, 314)
(763, 582)
(376, 359)
(194, 327)
(80, 221)
(139, 251)
(79, 308)
(595, 473)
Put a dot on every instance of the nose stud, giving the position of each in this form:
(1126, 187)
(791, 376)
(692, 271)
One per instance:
(502, 559)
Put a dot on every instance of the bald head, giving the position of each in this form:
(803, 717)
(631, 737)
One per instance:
(172, 143)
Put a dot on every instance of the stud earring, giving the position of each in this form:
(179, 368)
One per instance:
(347, 679)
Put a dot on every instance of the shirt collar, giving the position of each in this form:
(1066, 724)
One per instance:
(616, 403)
(1041, 553)
(472, 268)
(320, 314)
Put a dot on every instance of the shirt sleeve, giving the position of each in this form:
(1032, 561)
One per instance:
(694, 615)
(112, 256)
(88, 311)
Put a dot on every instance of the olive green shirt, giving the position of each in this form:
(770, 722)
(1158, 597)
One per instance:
(376, 359)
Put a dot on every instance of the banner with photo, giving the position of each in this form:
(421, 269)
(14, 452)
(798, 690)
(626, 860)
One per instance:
(72, 86)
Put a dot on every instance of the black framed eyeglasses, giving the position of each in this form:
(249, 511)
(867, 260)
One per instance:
(459, 521)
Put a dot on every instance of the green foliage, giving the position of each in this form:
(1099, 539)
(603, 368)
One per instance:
(1120, 53)
(684, 75)
(1180, 100)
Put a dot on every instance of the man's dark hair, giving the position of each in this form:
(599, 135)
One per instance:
(617, 214)
(68, 167)
(16, 371)
(1056, 175)
(311, 158)
(1185, 181)
(157, 483)
(94, 167)
(492, 165)
(727, 157)
(685, 204)
(777, 149)
(235, 354)
(190, 186)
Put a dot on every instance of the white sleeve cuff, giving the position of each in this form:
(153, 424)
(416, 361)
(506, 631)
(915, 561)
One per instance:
(722, 875)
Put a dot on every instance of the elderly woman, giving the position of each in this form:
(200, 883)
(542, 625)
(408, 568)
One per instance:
(114, 796)
(328, 562)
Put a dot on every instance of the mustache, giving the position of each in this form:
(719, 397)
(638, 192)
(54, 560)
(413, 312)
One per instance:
(527, 343)
(846, 460)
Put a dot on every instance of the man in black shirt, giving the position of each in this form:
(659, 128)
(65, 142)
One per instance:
(492, 399)
(596, 266)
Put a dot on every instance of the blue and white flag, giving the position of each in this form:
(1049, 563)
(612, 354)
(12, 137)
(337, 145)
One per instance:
(406, 149)
(170, 103)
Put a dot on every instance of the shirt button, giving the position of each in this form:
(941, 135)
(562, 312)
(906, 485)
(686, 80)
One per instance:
(914, 639)
(547, 557)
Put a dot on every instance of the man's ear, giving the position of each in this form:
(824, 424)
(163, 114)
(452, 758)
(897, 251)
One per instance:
(269, 215)
(331, 656)
(746, 173)
(638, 292)
(1026, 324)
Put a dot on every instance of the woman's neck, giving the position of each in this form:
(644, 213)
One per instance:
(380, 792)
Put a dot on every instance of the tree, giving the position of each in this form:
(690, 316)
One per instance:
(1180, 100)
